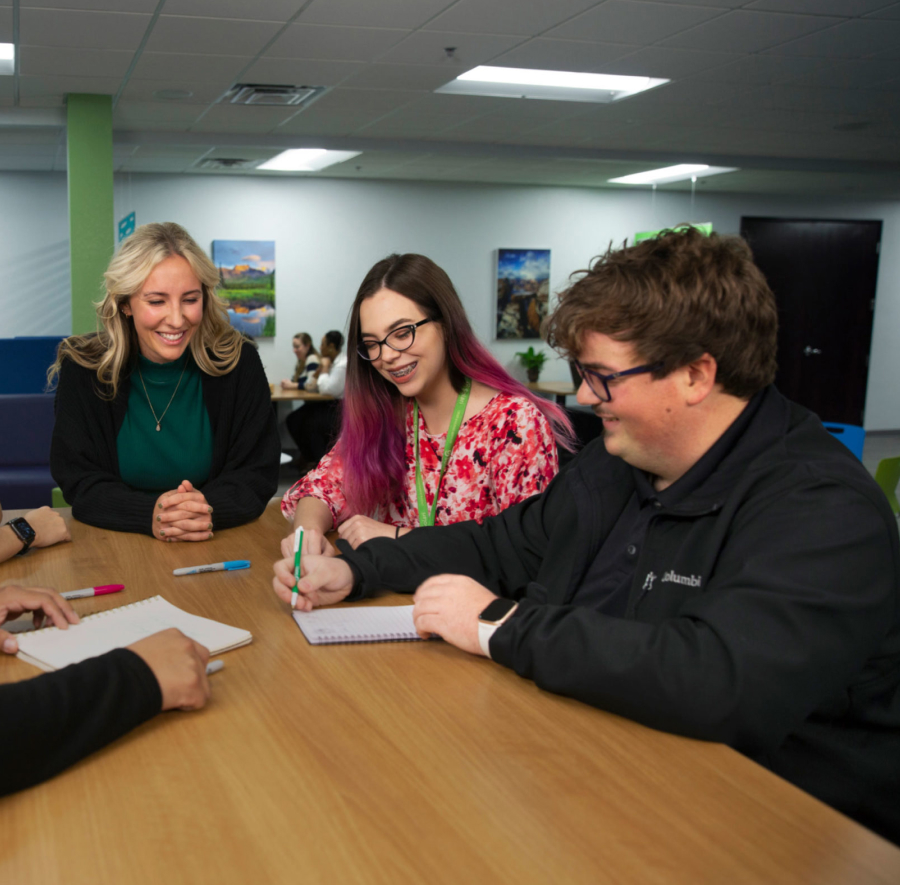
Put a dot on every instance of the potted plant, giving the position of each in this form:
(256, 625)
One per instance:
(533, 362)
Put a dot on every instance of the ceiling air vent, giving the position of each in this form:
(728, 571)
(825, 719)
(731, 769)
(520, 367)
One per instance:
(270, 94)
(226, 163)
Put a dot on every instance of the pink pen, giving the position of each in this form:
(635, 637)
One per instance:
(92, 591)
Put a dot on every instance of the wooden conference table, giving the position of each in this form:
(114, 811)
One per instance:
(396, 762)
(280, 395)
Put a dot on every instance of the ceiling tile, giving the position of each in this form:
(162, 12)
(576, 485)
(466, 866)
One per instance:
(507, 16)
(82, 30)
(851, 39)
(889, 12)
(864, 73)
(845, 8)
(153, 115)
(333, 43)
(147, 6)
(428, 48)
(301, 71)
(383, 14)
(57, 87)
(6, 24)
(548, 54)
(174, 33)
(743, 31)
(176, 66)
(39, 61)
(242, 118)
(203, 93)
(764, 70)
(33, 137)
(420, 78)
(672, 64)
(257, 10)
(27, 164)
(634, 21)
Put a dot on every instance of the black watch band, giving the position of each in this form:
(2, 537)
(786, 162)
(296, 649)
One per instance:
(24, 532)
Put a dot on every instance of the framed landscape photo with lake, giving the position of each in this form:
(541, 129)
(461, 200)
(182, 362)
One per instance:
(247, 284)
(523, 292)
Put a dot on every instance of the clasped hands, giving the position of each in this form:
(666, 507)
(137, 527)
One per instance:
(445, 605)
(183, 514)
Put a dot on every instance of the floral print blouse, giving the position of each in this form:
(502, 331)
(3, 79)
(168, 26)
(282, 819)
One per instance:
(503, 454)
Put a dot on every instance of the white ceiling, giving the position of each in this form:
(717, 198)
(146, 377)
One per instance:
(802, 95)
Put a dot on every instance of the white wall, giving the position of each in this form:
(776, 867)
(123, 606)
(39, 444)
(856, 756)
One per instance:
(328, 233)
(35, 298)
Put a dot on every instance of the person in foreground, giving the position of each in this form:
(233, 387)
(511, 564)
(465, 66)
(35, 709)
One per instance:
(717, 565)
(434, 431)
(164, 423)
(54, 720)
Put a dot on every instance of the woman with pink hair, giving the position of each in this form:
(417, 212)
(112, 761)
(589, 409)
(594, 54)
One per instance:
(434, 430)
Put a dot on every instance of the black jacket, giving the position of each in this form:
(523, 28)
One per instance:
(764, 610)
(56, 719)
(245, 457)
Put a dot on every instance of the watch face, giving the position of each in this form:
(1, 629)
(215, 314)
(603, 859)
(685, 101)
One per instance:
(25, 532)
(496, 610)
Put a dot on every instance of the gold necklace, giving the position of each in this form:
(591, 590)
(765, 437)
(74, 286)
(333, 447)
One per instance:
(159, 419)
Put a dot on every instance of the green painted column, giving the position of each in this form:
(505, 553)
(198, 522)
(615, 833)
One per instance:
(91, 221)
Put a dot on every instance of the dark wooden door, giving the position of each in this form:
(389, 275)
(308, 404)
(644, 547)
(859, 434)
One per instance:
(823, 274)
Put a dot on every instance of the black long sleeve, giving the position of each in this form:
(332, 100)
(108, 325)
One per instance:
(54, 720)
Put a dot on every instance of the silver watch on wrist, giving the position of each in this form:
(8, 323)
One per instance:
(496, 614)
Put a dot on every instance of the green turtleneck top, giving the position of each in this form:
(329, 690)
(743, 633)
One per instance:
(182, 449)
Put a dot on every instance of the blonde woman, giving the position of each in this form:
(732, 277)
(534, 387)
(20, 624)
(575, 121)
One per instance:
(307, 362)
(164, 423)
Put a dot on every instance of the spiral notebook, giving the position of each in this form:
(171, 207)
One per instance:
(328, 626)
(52, 648)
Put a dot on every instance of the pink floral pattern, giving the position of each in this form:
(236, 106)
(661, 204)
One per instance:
(504, 454)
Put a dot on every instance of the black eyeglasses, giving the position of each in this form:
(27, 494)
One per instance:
(400, 339)
(587, 374)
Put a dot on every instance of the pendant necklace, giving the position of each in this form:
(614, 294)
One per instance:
(159, 419)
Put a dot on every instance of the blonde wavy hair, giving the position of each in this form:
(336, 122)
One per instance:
(215, 346)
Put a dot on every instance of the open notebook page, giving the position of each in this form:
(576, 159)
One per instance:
(52, 648)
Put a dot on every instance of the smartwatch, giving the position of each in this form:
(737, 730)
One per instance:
(497, 613)
(24, 532)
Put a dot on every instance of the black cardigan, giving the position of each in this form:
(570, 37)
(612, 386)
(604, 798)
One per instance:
(56, 719)
(84, 460)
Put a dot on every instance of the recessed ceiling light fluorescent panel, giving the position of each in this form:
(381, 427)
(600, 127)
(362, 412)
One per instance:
(7, 58)
(549, 85)
(668, 174)
(306, 160)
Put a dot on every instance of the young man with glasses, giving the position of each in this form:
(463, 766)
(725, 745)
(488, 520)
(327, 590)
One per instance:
(716, 566)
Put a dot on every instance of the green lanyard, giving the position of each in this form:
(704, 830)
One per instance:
(459, 410)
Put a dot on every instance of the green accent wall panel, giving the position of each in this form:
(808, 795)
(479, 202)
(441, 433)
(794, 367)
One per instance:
(91, 227)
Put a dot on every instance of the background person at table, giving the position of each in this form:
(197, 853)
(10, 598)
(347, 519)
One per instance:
(413, 351)
(716, 566)
(315, 425)
(48, 528)
(307, 362)
(54, 720)
(164, 422)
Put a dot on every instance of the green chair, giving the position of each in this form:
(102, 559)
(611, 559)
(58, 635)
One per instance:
(57, 499)
(887, 475)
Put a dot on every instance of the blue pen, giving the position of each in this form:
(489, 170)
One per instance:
(231, 566)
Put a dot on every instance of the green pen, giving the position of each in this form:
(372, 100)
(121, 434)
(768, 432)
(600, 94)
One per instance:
(298, 544)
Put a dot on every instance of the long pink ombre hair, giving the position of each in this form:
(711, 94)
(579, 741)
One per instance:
(372, 444)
